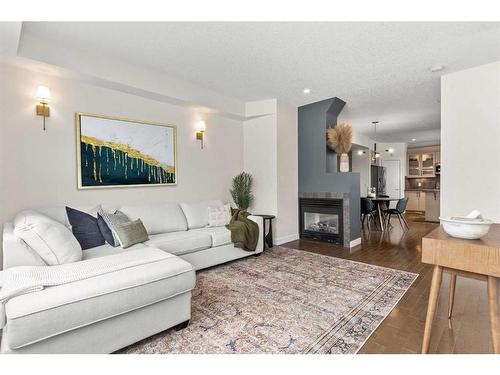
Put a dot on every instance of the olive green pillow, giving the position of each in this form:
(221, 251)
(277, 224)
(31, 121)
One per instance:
(131, 233)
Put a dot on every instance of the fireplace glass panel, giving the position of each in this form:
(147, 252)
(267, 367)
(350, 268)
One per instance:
(319, 222)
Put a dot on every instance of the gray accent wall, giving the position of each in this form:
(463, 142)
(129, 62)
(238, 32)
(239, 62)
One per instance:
(318, 165)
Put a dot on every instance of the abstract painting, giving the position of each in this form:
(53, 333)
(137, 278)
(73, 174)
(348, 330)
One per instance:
(114, 152)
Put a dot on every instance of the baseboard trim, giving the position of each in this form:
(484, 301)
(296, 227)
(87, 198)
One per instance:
(355, 242)
(285, 239)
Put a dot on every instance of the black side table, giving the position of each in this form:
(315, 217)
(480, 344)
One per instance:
(268, 238)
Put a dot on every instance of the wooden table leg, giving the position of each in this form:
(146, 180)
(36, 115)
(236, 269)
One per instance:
(493, 303)
(437, 276)
(380, 216)
(451, 295)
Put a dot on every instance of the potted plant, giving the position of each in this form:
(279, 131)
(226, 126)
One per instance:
(339, 139)
(242, 190)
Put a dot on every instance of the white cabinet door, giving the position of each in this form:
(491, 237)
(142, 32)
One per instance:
(432, 206)
(421, 200)
(412, 200)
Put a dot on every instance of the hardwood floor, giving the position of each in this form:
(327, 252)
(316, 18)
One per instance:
(402, 331)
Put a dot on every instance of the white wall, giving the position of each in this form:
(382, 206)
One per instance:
(470, 140)
(361, 165)
(287, 228)
(260, 154)
(39, 168)
(271, 156)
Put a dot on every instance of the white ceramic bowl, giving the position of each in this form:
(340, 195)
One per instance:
(470, 230)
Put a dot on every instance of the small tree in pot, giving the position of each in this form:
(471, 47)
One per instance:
(242, 190)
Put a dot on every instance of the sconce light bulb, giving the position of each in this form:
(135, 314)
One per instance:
(201, 126)
(43, 94)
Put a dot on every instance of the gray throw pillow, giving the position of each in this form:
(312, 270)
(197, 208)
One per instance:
(110, 220)
(131, 233)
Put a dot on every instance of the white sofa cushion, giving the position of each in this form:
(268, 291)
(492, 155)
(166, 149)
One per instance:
(50, 239)
(220, 235)
(16, 252)
(107, 249)
(36, 316)
(197, 213)
(58, 213)
(158, 218)
(179, 243)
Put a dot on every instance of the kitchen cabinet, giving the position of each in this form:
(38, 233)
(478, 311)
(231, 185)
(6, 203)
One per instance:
(416, 200)
(413, 165)
(421, 164)
(428, 160)
(432, 206)
(412, 200)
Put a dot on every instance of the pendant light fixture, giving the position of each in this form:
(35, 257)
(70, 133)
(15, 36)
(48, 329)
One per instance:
(377, 154)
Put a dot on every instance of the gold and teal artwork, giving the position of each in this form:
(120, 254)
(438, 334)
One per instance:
(115, 152)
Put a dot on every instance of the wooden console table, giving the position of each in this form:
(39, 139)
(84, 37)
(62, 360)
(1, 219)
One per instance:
(479, 259)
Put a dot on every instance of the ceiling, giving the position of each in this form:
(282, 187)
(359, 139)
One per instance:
(380, 69)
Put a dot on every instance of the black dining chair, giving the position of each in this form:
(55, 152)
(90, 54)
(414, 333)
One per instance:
(399, 211)
(367, 211)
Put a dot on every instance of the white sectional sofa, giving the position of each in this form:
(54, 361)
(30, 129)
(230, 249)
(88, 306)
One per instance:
(105, 313)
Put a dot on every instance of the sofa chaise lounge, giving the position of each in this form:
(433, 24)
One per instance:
(107, 312)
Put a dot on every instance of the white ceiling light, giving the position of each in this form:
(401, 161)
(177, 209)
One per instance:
(436, 68)
(307, 91)
(413, 139)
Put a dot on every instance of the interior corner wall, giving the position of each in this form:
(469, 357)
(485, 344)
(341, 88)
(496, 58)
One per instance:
(39, 168)
(270, 155)
(260, 156)
(288, 175)
(361, 165)
(470, 138)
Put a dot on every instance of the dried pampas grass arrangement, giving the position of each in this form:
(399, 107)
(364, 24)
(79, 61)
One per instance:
(339, 138)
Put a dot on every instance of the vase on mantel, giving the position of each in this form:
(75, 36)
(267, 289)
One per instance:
(344, 162)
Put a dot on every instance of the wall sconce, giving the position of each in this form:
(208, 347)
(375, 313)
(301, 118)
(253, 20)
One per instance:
(43, 96)
(200, 129)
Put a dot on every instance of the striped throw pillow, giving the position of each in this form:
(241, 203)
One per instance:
(111, 220)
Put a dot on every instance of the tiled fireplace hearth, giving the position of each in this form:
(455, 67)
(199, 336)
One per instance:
(325, 217)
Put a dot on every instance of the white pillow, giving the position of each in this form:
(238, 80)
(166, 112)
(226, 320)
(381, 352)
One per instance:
(197, 212)
(51, 240)
(219, 216)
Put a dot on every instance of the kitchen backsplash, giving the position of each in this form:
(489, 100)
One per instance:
(422, 183)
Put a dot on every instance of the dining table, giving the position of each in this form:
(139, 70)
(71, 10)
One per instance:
(378, 203)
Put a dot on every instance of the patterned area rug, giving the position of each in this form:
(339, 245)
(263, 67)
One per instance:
(285, 301)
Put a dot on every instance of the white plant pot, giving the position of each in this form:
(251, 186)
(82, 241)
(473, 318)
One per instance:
(344, 162)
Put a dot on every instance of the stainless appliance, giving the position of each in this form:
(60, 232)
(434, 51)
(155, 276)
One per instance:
(378, 178)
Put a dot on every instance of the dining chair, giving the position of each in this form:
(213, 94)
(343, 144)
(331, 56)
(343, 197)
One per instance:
(367, 211)
(399, 211)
